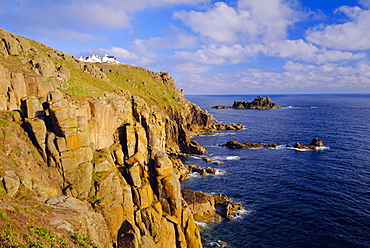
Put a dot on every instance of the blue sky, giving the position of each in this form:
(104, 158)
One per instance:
(213, 47)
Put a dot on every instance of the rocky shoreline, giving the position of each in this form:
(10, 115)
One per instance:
(88, 143)
(207, 207)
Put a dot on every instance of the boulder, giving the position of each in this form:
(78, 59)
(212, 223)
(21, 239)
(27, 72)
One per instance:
(11, 183)
(317, 143)
(91, 223)
(31, 107)
(12, 46)
(202, 205)
(163, 164)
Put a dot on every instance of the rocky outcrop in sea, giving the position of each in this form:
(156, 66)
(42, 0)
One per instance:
(258, 103)
(315, 144)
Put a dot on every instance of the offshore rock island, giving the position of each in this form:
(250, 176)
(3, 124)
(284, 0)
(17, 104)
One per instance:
(89, 152)
(258, 103)
(315, 144)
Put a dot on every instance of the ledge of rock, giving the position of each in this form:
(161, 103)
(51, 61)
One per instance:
(237, 145)
(207, 207)
(224, 127)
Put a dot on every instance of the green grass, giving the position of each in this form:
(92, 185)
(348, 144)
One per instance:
(97, 176)
(83, 241)
(7, 235)
(43, 232)
(2, 190)
(3, 122)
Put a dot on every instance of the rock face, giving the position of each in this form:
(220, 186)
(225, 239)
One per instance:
(112, 153)
(258, 103)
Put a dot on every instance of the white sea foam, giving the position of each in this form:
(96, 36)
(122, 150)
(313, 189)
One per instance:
(307, 149)
(194, 175)
(221, 173)
(207, 134)
(227, 157)
(196, 157)
(290, 107)
(300, 149)
(215, 244)
(279, 147)
(201, 224)
(239, 214)
(322, 148)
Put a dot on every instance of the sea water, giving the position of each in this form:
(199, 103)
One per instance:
(291, 198)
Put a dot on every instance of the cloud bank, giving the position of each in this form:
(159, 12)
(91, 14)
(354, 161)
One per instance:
(229, 45)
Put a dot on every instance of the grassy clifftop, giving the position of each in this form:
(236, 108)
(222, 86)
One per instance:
(79, 79)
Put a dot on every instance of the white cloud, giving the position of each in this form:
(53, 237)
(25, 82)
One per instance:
(311, 78)
(365, 3)
(301, 50)
(80, 14)
(220, 54)
(187, 68)
(249, 21)
(116, 14)
(177, 39)
(220, 23)
(99, 14)
(352, 35)
(287, 49)
(70, 35)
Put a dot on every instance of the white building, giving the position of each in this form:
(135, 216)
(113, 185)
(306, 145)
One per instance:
(91, 59)
(96, 59)
(109, 59)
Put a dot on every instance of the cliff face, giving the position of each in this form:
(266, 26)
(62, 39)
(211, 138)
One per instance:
(104, 138)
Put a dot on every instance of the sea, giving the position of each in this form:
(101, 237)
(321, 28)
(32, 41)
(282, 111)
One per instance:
(290, 197)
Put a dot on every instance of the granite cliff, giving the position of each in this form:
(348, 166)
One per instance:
(88, 152)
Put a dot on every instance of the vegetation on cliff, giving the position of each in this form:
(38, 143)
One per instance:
(96, 141)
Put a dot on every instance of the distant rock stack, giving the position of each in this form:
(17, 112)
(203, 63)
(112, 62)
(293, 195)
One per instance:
(258, 103)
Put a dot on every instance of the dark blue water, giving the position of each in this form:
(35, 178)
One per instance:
(292, 198)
